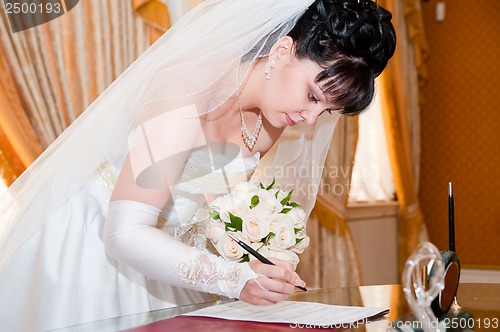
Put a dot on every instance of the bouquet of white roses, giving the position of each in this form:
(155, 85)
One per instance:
(263, 217)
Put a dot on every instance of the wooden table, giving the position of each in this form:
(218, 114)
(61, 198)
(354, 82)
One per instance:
(482, 300)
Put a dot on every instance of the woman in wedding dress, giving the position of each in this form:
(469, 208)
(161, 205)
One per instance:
(108, 220)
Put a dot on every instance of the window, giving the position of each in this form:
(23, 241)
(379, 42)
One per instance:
(372, 176)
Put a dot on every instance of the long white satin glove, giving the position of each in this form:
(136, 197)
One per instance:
(130, 236)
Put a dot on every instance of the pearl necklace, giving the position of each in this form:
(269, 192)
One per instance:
(249, 138)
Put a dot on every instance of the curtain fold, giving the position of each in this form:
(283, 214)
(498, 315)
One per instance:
(400, 100)
(416, 35)
(50, 73)
(18, 141)
(411, 217)
(331, 260)
(10, 165)
(156, 15)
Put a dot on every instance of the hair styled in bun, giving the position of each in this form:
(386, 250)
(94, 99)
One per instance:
(352, 40)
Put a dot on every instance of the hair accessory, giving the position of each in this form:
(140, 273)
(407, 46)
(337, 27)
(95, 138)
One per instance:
(269, 65)
(249, 138)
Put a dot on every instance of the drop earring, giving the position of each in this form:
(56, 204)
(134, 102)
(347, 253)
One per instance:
(269, 65)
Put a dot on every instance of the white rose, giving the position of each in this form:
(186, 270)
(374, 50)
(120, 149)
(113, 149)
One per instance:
(220, 205)
(298, 217)
(253, 228)
(301, 246)
(268, 205)
(215, 231)
(229, 249)
(229, 204)
(285, 255)
(241, 194)
(282, 227)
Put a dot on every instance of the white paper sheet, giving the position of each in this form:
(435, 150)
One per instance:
(292, 312)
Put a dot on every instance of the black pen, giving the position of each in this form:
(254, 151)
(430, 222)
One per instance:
(451, 219)
(257, 255)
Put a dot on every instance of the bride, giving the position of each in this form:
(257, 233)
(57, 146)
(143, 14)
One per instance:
(236, 90)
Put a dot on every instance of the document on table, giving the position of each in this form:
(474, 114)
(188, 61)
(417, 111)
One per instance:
(292, 312)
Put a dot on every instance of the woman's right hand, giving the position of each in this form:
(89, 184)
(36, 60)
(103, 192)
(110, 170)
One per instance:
(273, 284)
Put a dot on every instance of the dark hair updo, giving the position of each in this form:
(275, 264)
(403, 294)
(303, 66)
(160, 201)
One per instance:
(352, 40)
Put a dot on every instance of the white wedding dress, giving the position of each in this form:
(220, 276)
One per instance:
(62, 276)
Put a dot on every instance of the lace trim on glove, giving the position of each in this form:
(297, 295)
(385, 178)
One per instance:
(210, 270)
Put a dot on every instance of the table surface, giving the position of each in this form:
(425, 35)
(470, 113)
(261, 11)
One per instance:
(481, 300)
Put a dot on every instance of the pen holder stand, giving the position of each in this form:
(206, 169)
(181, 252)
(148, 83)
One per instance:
(430, 282)
(447, 296)
(420, 290)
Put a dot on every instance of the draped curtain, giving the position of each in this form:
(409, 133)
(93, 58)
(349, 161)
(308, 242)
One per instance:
(405, 73)
(19, 145)
(156, 14)
(50, 73)
(330, 260)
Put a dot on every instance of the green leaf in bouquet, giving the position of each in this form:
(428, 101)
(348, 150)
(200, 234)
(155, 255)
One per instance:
(285, 200)
(214, 215)
(293, 204)
(286, 210)
(261, 185)
(297, 241)
(244, 258)
(297, 230)
(254, 201)
(229, 227)
(236, 222)
(265, 241)
(271, 185)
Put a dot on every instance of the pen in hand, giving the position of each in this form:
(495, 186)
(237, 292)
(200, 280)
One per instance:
(254, 253)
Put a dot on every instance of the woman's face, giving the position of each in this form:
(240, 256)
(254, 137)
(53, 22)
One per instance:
(291, 95)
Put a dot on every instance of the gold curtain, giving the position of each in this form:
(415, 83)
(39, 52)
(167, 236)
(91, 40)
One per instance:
(156, 14)
(19, 145)
(399, 92)
(331, 259)
(50, 73)
(416, 35)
